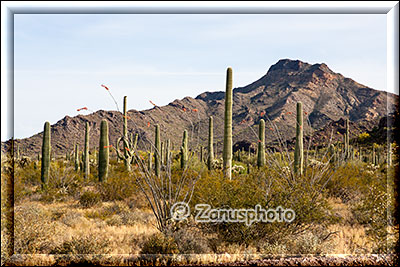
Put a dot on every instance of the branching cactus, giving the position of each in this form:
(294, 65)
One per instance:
(227, 154)
(184, 150)
(86, 163)
(298, 152)
(128, 145)
(261, 144)
(103, 151)
(210, 159)
(46, 150)
(157, 152)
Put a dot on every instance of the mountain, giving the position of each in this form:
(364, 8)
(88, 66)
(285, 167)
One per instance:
(327, 97)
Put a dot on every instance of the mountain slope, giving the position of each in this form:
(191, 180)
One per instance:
(327, 97)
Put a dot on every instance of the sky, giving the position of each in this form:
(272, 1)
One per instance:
(61, 60)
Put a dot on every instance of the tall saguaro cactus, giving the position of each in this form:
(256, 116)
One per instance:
(298, 152)
(184, 150)
(167, 149)
(76, 157)
(157, 153)
(86, 166)
(227, 155)
(210, 144)
(347, 138)
(46, 150)
(261, 144)
(103, 151)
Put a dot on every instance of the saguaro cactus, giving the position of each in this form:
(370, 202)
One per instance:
(210, 144)
(347, 142)
(128, 145)
(157, 153)
(298, 152)
(86, 164)
(76, 157)
(184, 150)
(331, 153)
(149, 162)
(103, 151)
(46, 150)
(167, 149)
(390, 154)
(261, 144)
(227, 155)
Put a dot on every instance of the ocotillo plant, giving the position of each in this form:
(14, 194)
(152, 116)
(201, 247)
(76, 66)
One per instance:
(227, 156)
(298, 152)
(46, 150)
(103, 151)
(261, 144)
(86, 164)
(157, 152)
(184, 150)
(210, 144)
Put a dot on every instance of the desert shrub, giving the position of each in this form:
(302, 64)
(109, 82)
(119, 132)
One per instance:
(363, 137)
(25, 180)
(119, 185)
(160, 244)
(33, 229)
(89, 199)
(72, 218)
(63, 184)
(87, 244)
(375, 210)
(191, 241)
(246, 191)
(136, 216)
(350, 180)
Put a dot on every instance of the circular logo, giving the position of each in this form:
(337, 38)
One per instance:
(180, 211)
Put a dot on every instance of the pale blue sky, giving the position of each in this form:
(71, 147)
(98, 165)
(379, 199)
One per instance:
(61, 60)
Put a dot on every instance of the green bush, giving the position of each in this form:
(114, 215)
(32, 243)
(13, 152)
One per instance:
(119, 185)
(269, 190)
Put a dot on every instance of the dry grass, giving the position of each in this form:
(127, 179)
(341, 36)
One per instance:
(62, 222)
